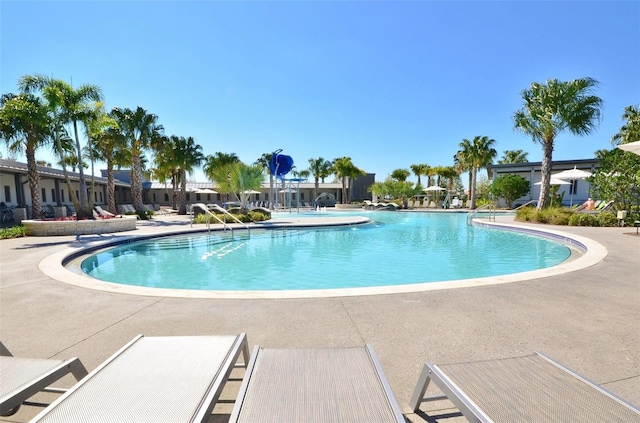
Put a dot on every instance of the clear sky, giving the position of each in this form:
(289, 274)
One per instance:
(387, 83)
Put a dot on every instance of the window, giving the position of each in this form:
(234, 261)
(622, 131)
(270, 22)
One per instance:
(166, 196)
(101, 200)
(44, 195)
(154, 197)
(53, 194)
(198, 197)
(77, 196)
(574, 187)
(62, 195)
(7, 193)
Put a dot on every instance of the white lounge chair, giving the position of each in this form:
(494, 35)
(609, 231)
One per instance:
(522, 389)
(21, 378)
(153, 379)
(315, 385)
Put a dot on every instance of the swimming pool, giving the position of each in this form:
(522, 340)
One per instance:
(396, 249)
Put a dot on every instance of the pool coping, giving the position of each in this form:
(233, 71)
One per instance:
(53, 265)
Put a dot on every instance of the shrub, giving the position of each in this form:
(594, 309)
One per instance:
(550, 215)
(510, 187)
(202, 218)
(526, 214)
(250, 216)
(607, 218)
(13, 232)
(583, 219)
(258, 216)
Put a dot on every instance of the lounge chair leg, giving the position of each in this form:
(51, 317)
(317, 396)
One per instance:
(421, 388)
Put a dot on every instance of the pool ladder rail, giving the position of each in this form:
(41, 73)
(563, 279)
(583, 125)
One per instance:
(209, 214)
(490, 207)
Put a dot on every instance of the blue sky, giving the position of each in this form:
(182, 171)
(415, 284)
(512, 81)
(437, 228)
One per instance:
(387, 83)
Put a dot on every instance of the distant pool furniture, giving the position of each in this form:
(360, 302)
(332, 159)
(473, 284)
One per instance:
(527, 388)
(102, 212)
(22, 378)
(315, 385)
(600, 206)
(153, 379)
(7, 213)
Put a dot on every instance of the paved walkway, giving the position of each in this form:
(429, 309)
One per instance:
(588, 320)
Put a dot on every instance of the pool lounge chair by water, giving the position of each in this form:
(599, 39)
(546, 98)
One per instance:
(528, 388)
(315, 385)
(24, 377)
(153, 379)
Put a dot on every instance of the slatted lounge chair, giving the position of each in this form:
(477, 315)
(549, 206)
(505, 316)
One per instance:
(21, 378)
(522, 389)
(315, 385)
(102, 212)
(153, 379)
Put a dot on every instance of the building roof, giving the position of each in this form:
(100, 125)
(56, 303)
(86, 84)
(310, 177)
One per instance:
(12, 166)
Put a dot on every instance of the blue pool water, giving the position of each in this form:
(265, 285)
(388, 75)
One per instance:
(398, 248)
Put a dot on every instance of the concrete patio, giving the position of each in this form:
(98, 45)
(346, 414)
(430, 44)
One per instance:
(588, 320)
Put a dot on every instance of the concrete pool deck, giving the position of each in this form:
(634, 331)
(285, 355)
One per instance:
(588, 319)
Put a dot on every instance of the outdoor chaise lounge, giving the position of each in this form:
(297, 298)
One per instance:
(21, 378)
(315, 385)
(522, 389)
(153, 379)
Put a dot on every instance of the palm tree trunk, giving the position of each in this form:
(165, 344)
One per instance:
(174, 188)
(111, 189)
(34, 182)
(136, 183)
(182, 199)
(472, 188)
(270, 190)
(85, 210)
(547, 152)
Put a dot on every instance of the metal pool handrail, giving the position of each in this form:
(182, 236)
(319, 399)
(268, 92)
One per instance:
(492, 212)
(207, 210)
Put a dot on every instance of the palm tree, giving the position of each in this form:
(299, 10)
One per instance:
(108, 145)
(139, 130)
(476, 155)
(400, 174)
(212, 162)
(216, 168)
(450, 174)
(25, 126)
(462, 163)
(514, 156)
(630, 131)
(430, 173)
(419, 170)
(165, 167)
(188, 155)
(551, 108)
(69, 105)
(320, 169)
(95, 124)
(264, 162)
(344, 168)
(243, 179)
